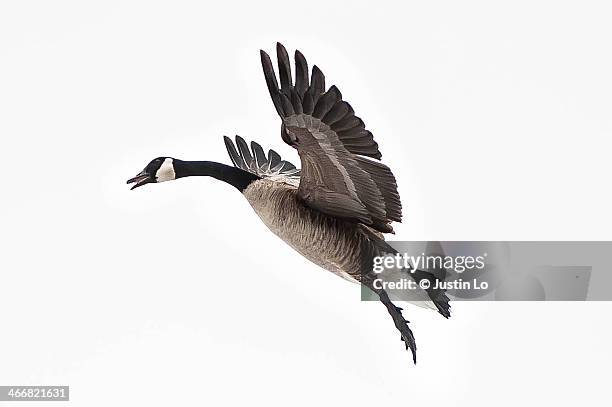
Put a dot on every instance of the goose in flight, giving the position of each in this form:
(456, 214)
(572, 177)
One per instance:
(335, 209)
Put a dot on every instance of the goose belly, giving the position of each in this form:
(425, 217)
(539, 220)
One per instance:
(328, 242)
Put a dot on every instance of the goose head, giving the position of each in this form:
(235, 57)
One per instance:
(158, 170)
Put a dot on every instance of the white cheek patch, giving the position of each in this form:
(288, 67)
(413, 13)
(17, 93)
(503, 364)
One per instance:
(166, 171)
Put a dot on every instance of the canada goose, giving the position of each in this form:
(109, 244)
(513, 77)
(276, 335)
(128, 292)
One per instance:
(334, 210)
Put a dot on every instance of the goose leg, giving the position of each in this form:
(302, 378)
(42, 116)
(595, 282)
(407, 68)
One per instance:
(400, 322)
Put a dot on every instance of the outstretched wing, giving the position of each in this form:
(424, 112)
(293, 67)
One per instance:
(337, 178)
(255, 161)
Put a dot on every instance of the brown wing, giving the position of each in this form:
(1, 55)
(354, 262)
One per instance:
(336, 178)
(254, 160)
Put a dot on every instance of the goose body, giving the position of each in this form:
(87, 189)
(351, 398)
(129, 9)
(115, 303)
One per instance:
(335, 209)
(328, 242)
(344, 248)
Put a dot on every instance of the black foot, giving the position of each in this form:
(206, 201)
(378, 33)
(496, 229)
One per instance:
(400, 323)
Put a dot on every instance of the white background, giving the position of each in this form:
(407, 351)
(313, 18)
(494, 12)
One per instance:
(494, 117)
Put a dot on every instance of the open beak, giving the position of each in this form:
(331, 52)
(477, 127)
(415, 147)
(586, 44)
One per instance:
(140, 179)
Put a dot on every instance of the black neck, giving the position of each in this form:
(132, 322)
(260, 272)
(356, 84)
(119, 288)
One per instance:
(232, 175)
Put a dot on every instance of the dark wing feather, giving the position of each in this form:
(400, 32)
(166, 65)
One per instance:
(273, 158)
(301, 74)
(245, 153)
(317, 83)
(268, 69)
(258, 153)
(333, 144)
(236, 158)
(284, 68)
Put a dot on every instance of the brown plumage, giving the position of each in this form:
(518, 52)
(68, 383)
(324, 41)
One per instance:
(333, 144)
(343, 247)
